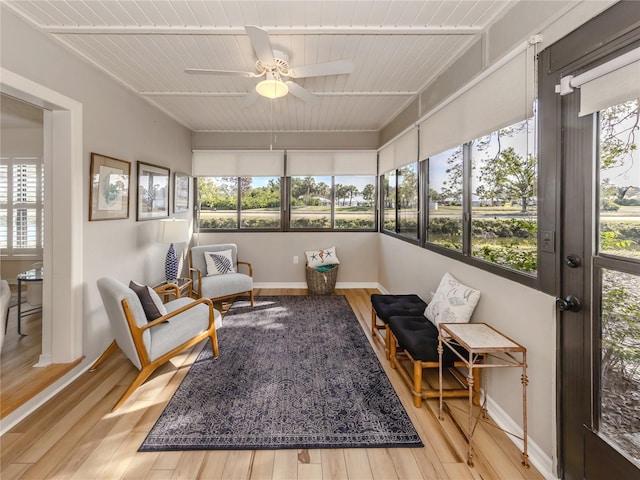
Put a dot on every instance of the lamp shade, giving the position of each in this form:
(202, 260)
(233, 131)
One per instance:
(172, 231)
(272, 88)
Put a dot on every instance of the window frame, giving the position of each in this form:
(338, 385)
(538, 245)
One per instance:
(417, 240)
(285, 208)
(466, 255)
(197, 210)
(11, 206)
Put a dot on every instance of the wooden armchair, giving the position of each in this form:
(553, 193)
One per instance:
(150, 344)
(219, 287)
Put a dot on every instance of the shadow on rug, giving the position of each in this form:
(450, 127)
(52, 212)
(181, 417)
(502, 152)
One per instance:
(293, 372)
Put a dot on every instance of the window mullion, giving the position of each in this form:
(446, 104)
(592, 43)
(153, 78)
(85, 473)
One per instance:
(466, 198)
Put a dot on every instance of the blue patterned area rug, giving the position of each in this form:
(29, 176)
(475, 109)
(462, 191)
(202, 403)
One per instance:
(293, 372)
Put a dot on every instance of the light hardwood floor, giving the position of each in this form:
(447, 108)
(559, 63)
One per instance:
(74, 436)
(19, 380)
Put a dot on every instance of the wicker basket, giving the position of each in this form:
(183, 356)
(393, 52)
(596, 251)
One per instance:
(321, 283)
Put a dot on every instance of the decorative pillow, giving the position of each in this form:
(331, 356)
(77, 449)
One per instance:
(150, 300)
(324, 256)
(219, 263)
(453, 302)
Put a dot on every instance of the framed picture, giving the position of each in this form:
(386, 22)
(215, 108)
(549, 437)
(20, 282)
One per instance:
(153, 191)
(181, 188)
(109, 188)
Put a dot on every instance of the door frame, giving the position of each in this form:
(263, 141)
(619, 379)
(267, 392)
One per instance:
(62, 313)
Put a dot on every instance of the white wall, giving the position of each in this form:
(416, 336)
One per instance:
(522, 313)
(271, 255)
(116, 123)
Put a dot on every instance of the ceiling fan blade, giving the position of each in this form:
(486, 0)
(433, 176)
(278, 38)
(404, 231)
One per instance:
(303, 94)
(339, 67)
(249, 99)
(261, 44)
(208, 71)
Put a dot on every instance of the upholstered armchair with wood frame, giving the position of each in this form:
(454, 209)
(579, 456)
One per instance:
(148, 344)
(215, 275)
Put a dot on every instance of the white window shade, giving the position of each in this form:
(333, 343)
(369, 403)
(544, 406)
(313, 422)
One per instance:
(238, 163)
(502, 98)
(302, 163)
(401, 151)
(613, 88)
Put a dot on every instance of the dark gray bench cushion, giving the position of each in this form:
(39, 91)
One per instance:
(387, 306)
(418, 336)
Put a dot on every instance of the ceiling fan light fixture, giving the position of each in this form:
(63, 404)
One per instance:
(272, 88)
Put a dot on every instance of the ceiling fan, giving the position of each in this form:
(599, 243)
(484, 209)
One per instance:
(274, 66)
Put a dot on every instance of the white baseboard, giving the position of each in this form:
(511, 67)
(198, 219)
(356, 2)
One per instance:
(537, 456)
(304, 285)
(43, 361)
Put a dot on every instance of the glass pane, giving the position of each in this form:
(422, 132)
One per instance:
(620, 180)
(25, 228)
(218, 200)
(25, 183)
(354, 198)
(445, 199)
(4, 184)
(310, 202)
(620, 357)
(389, 201)
(260, 202)
(408, 200)
(4, 228)
(504, 205)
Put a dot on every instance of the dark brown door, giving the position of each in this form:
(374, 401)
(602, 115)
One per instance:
(600, 300)
(596, 153)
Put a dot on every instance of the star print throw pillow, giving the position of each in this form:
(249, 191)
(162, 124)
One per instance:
(324, 256)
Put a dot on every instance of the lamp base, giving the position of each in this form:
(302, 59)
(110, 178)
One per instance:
(171, 265)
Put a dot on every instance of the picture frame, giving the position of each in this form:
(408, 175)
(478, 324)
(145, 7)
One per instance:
(109, 184)
(153, 192)
(181, 192)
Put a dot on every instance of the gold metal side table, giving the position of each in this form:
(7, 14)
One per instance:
(496, 350)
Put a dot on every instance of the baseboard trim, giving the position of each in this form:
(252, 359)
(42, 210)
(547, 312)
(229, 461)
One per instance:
(43, 361)
(537, 457)
(304, 285)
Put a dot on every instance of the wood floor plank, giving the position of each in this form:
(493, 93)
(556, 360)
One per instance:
(334, 466)
(310, 471)
(189, 465)
(381, 464)
(140, 466)
(262, 467)
(213, 465)
(238, 465)
(405, 463)
(75, 434)
(285, 466)
(357, 463)
(73, 418)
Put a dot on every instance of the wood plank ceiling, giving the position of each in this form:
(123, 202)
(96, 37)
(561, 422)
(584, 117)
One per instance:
(397, 47)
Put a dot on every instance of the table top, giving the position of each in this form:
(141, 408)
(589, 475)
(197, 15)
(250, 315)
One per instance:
(480, 337)
(33, 275)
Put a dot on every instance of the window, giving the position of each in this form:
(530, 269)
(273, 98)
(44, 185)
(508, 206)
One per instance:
(619, 214)
(401, 206)
(311, 202)
(504, 203)
(248, 203)
(21, 209)
(344, 202)
(389, 201)
(444, 224)
(354, 200)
